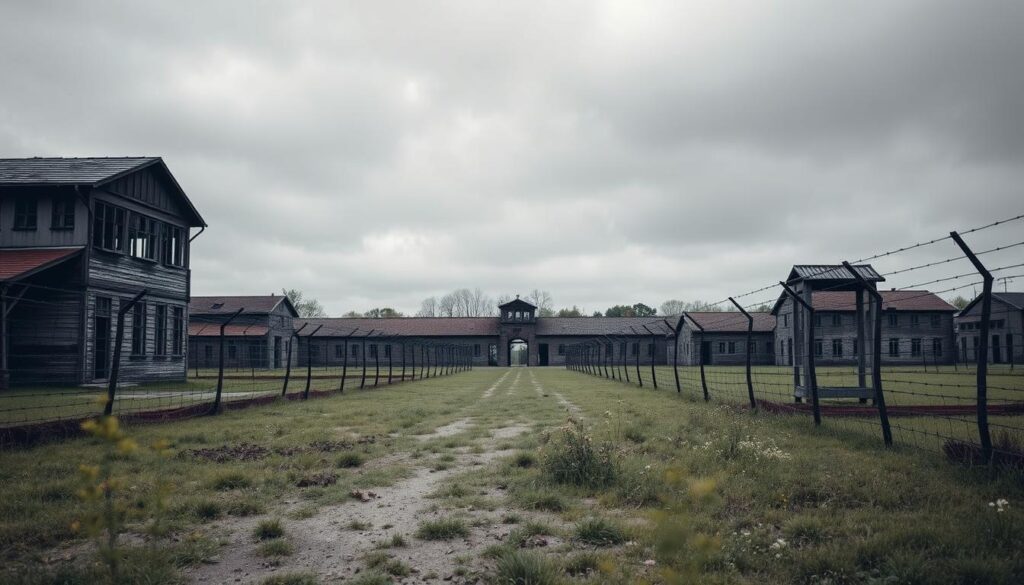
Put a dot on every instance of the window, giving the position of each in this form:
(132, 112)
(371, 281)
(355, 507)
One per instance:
(936, 321)
(894, 347)
(998, 323)
(178, 330)
(173, 244)
(721, 347)
(785, 320)
(856, 347)
(622, 350)
(915, 347)
(817, 320)
(915, 320)
(837, 348)
(255, 355)
(650, 349)
(818, 348)
(751, 348)
(894, 320)
(25, 214)
(160, 330)
(769, 347)
(937, 347)
(339, 351)
(387, 350)
(139, 329)
(63, 216)
(609, 349)
(561, 349)
(636, 348)
(355, 350)
(476, 350)
(108, 227)
(837, 320)
(232, 351)
(373, 350)
(208, 353)
(732, 347)
(142, 237)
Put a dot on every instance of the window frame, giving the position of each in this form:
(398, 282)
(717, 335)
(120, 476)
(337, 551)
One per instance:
(177, 331)
(160, 329)
(139, 319)
(109, 224)
(62, 212)
(22, 215)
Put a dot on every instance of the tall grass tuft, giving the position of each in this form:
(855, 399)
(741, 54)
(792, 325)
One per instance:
(525, 568)
(571, 457)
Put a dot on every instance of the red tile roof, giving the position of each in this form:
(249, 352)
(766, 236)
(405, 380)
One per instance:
(603, 325)
(18, 263)
(407, 326)
(213, 330)
(899, 300)
(225, 305)
(732, 321)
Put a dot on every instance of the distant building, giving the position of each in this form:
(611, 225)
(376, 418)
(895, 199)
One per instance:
(1006, 328)
(257, 338)
(79, 237)
(723, 339)
(917, 325)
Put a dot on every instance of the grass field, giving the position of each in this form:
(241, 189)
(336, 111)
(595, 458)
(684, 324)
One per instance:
(479, 477)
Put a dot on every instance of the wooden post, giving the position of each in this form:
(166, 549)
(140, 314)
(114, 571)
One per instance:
(288, 365)
(309, 361)
(376, 364)
(391, 359)
(750, 339)
(362, 351)
(809, 373)
(982, 375)
(639, 379)
(115, 367)
(675, 350)
(344, 361)
(700, 352)
(654, 348)
(876, 351)
(403, 360)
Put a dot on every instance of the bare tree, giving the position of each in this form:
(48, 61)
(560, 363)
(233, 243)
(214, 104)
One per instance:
(446, 306)
(542, 300)
(305, 307)
(675, 307)
(428, 308)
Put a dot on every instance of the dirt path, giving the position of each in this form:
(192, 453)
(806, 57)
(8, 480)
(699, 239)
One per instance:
(571, 408)
(327, 545)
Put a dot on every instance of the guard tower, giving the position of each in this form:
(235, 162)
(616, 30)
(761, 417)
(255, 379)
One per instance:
(517, 330)
(802, 325)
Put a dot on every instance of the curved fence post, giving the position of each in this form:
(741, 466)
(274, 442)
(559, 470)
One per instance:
(115, 368)
(982, 374)
(654, 350)
(700, 351)
(288, 364)
(675, 350)
(876, 354)
(309, 361)
(750, 339)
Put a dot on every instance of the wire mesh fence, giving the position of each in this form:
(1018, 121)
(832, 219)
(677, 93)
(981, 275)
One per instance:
(899, 365)
(133, 358)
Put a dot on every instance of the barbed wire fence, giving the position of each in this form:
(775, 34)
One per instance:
(150, 367)
(889, 364)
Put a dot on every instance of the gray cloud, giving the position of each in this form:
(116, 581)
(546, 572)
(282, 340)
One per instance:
(375, 154)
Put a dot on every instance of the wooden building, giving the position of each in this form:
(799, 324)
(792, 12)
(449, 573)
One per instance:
(718, 338)
(1006, 329)
(917, 325)
(258, 335)
(78, 237)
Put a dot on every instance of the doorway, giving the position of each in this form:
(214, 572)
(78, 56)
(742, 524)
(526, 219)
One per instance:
(542, 354)
(518, 353)
(705, 352)
(101, 338)
(277, 352)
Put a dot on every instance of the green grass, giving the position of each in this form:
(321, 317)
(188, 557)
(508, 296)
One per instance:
(442, 529)
(268, 529)
(707, 490)
(599, 532)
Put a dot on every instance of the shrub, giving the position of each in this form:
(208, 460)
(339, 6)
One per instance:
(244, 508)
(231, 480)
(391, 566)
(635, 435)
(520, 537)
(208, 510)
(599, 532)
(359, 525)
(572, 458)
(276, 547)
(350, 459)
(268, 529)
(443, 529)
(524, 459)
(638, 485)
(525, 568)
(582, 564)
(542, 499)
(291, 579)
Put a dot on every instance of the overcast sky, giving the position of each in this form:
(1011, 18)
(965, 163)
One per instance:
(377, 153)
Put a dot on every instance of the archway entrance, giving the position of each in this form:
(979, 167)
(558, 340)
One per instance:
(518, 353)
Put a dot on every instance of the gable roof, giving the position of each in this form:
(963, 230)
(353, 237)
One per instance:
(18, 263)
(892, 300)
(88, 171)
(404, 326)
(1014, 299)
(732, 321)
(517, 303)
(602, 325)
(832, 272)
(224, 305)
